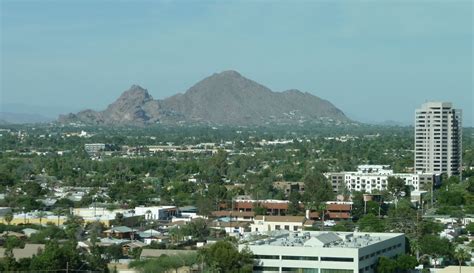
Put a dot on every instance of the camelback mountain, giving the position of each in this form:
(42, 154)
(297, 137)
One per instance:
(225, 98)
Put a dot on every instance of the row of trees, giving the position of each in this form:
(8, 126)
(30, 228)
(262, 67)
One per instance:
(222, 256)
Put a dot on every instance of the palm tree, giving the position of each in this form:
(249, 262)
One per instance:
(461, 255)
(41, 214)
(148, 212)
(415, 248)
(8, 217)
(58, 212)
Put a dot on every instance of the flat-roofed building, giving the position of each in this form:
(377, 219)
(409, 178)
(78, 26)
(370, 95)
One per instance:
(265, 223)
(370, 178)
(321, 252)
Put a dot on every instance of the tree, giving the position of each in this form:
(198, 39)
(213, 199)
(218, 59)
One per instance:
(402, 218)
(386, 265)
(470, 227)
(406, 263)
(435, 247)
(197, 229)
(165, 263)
(343, 226)
(258, 209)
(461, 255)
(204, 205)
(74, 226)
(294, 204)
(41, 214)
(317, 188)
(8, 217)
(430, 227)
(397, 188)
(56, 257)
(371, 223)
(401, 264)
(114, 252)
(223, 256)
(119, 218)
(58, 212)
(358, 204)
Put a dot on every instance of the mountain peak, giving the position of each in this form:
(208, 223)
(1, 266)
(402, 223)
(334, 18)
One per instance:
(136, 92)
(229, 73)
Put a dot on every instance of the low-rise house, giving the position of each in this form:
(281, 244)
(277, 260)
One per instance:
(247, 216)
(29, 231)
(151, 235)
(265, 223)
(127, 247)
(288, 187)
(156, 253)
(339, 210)
(120, 232)
(230, 227)
(13, 234)
(27, 252)
(111, 241)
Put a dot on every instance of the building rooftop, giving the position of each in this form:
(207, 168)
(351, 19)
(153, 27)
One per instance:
(270, 218)
(326, 239)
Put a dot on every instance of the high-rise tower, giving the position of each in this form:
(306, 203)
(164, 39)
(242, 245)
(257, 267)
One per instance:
(438, 138)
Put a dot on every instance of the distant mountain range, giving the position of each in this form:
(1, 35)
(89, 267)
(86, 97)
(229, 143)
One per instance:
(225, 98)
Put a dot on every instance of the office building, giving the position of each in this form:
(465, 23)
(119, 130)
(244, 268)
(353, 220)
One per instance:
(321, 252)
(438, 138)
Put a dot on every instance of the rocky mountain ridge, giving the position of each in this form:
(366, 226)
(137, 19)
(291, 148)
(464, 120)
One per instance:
(225, 98)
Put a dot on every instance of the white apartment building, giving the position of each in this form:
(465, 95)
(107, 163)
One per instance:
(374, 177)
(322, 252)
(93, 148)
(438, 138)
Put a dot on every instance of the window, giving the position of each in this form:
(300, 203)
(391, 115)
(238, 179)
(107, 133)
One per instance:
(287, 227)
(266, 257)
(299, 270)
(301, 258)
(336, 259)
(326, 270)
(277, 227)
(266, 269)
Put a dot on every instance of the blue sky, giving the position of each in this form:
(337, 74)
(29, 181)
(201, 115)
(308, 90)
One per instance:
(375, 60)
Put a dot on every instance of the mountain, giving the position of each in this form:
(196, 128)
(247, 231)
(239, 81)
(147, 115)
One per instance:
(223, 98)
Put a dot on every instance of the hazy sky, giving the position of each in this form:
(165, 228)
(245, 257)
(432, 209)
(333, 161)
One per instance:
(375, 60)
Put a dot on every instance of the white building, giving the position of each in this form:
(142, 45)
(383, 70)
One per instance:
(92, 148)
(374, 177)
(157, 212)
(322, 252)
(103, 214)
(438, 138)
